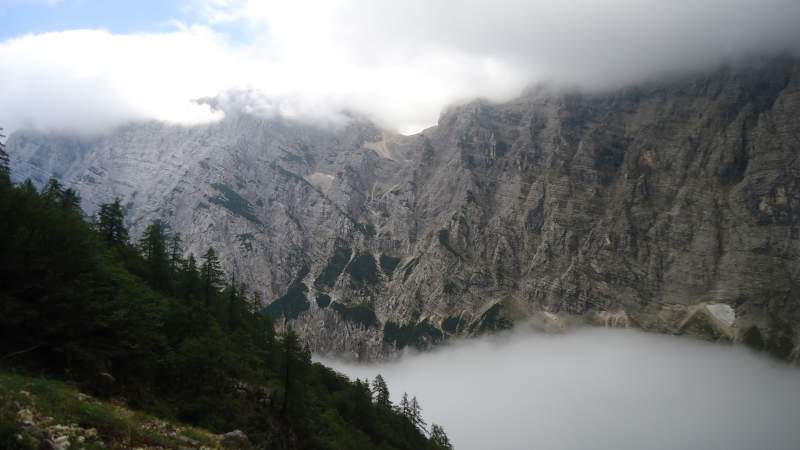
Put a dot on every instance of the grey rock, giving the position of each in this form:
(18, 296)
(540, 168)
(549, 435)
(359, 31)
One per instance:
(235, 440)
(626, 208)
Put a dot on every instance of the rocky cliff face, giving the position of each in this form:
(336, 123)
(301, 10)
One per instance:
(672, 206)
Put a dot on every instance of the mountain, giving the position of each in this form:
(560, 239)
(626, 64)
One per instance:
(672, 206)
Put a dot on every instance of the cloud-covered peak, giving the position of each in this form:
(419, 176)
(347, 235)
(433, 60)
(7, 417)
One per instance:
(399, 63)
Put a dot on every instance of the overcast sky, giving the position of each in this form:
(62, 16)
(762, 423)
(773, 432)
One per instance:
(89, 64)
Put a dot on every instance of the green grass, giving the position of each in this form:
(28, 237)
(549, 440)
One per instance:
(323, 300)
(102, 424)
(363, 270)
(336, 264)
(417, 335)
(361, 313)
(389, 263)
(233, 202)
(293, 302)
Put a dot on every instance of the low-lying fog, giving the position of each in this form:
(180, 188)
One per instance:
(599, 389)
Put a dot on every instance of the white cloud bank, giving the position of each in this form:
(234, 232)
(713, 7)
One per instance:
(601, 390)
(398, 62)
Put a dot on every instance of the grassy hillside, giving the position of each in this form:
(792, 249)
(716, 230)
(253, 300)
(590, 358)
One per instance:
(36, 412)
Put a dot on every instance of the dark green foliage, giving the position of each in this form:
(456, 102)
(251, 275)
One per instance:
(389, 263)
(444, 239)
(452, 324)
(450, 288)
(380, 392)
(492, 320)
(752, 338)
(366, 229)
(4, 167)
(439, 437)
(293, 302)
(246, 240)
(211, 275)
(111, 223)
(323, 300)
(780, 343)
(175, 252)
(337, 263)
(608, 158)
(233, 202)
(363, 270)
(417, 335)
(76, 302)
(415, 415)
(361, 313)
(153, 247)
(294, 363)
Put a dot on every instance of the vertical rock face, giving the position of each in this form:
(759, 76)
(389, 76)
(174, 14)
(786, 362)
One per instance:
(672, 206)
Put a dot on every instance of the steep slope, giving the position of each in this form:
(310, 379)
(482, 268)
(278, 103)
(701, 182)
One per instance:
(670, 206)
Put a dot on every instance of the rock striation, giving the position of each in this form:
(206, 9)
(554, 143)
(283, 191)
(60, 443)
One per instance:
(671, 206)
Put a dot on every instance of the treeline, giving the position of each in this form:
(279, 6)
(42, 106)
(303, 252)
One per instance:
(172, 335)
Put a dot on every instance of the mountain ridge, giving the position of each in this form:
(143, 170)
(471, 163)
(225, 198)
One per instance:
(648, 206)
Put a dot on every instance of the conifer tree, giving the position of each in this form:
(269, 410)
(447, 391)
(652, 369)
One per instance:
(111, 223)
(294, 355)
(153, 247)
(190, 278)
(254, 303)
(416, 415)
(175, 252)
(4, 161)
(70, 199)
(233, 304)
(54, 195)
(211, 274)
(381, 392)
(405, 406)
(439, 437)
(51, 193)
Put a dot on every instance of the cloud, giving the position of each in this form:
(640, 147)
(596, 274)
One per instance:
(399, 63)
(599, 389)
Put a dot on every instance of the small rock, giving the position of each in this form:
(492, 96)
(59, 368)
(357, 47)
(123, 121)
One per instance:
(25, 416)
(59, 443)
(187, 440)
(236, 440)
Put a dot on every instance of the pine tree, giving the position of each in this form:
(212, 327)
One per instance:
(4, 161)
(54, 195)
(405, 406)
(234, 294)
(211, 274)
(416, 415)
(254, 303)
(70, 199)
(175, 252)
(189, 279)
(294, 359)
(110, 223)
(153, 247)
(51, 193)
(381, 392)
(439, 437)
